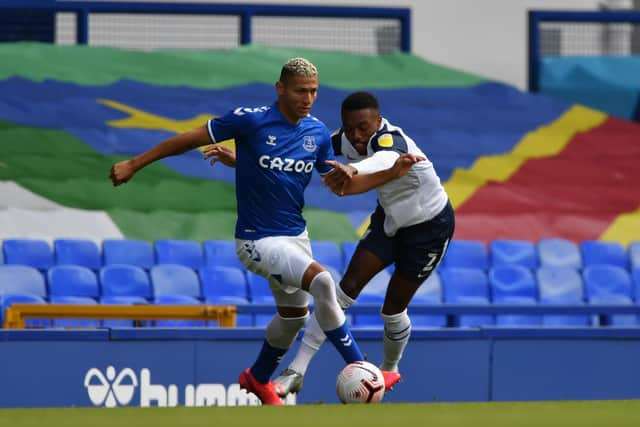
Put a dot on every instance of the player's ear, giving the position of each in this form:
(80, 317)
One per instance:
(280, 87)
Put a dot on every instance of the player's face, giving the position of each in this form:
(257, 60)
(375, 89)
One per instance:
(359, 126)
(296, 96)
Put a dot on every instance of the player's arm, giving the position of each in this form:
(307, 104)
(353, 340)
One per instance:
(123, 171)
(356, 183)
(219, 153)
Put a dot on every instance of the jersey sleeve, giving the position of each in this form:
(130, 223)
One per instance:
(389, 141)
(234, 124)
(325, 153)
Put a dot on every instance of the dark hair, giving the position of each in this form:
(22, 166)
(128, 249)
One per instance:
(360, 101)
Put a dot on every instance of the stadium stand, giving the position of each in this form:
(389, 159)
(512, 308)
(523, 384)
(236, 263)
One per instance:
(221, 253)
(128, 251)
(81, 252)
(122, 280)
(32, 252)
(373, 293)
(73, 284)
(328, 254)
(260, 293)
(609, 284)
(634, 254)
(21, 284)
(227, 286)
(554, 252)
(183, 252)
(513, 284)
(561, 285)
(168, 280)
(513, 252)
(430, 292)
(466, 254)
(463, 285)
(596, 252)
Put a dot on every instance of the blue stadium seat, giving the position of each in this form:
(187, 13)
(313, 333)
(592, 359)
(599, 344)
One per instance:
(561, 286)
(174, 279)
(596, 252)
(373, 293)
(514, 285)
(635, 276)
(328, 254)
(177, 300)
(124, 300)
(183, 252)
(72, 280)
(466, 286)
(125, 280)
(634, 254)
(226, 285)
(555, 252)
(7, 301)
(260, 293)
(126, 251)
(348, 248)
(74, 323)
(609, 284)
(510, 252)
(221, 253)
(81, 252)
(430, 292)
(466, 254)
(21, 284)
(32, 252)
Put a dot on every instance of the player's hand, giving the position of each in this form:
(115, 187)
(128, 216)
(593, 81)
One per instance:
(122, 172)
(404, 163)
(339, 177)
(218, 153)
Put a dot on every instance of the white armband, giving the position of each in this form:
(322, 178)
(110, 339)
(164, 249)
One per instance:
(380, 161)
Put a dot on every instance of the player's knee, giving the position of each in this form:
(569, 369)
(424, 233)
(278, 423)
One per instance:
(282, 331)
(397, 326)
(328, 312)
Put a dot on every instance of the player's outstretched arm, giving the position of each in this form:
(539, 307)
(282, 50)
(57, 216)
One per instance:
(123, 171)
(362, 183)
(219, 153)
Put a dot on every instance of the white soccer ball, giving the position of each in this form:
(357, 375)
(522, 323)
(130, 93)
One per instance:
(360, 382)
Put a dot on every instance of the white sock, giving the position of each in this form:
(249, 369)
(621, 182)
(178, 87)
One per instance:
(397, 329)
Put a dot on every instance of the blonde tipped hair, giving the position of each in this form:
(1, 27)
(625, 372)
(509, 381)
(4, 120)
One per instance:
(298, 67)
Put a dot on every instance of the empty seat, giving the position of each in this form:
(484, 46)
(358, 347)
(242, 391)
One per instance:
(72, 280)
(561, 286)
(466, 254)
(596, 252)
(127, 251)
(510, 252)
(119, 280)
(7, 301)
(555, 252)
(226, 285)
(466, 286)
(609, 284)
(21, 284)
(635, 276)
(513, 284)
(183, 252)
(429, 293)
(177, 300)
(124, 300)
(32, 252)
(81, 252)
(260, 293)
(634, 254)
(221, 253)
(174, 279)
(74, 323)
(327, 254)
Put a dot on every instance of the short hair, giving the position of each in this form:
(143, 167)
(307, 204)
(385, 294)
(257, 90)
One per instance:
(298, 67)
(360, 101)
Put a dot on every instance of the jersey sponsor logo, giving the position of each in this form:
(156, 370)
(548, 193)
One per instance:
(241, 111)
(309, 143)
(385, 141)
(286, 165)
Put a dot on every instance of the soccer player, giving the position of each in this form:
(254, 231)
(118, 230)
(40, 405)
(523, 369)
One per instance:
(410, 228)
(278, 146)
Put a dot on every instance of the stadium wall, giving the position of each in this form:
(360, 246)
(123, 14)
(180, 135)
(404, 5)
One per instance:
(163, 367)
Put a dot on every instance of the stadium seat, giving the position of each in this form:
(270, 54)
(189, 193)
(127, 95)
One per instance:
(81, 252)
(123, 300)
(348, 248)
(72, 280)
(611, 285)
(513, 252)
(514, 285)
(555, 252)
(22, 284)
(635, 276)
(183, 252)
(260, 293)
(429, 293)
(328, 254)
(125, 251)
(177, 300)
(561, 286)
(221, 253)
(634, 254)
(466, 254)
(174, 279)
(7, 301)
(121, 280)
(226, 285)
(74, 323)
(470, 286)
(32, 252)
(596, 252)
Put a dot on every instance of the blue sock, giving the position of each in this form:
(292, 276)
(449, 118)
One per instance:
(267, 362)
(343, 341)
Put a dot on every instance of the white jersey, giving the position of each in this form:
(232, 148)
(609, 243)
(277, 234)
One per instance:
(411, 199)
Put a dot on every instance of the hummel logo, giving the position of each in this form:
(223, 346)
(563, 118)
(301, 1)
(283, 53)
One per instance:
(271, 140)
(346, 341)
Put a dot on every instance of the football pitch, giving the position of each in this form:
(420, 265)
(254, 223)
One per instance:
(534, 414)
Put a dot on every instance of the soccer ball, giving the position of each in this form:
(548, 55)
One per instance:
(360, 382)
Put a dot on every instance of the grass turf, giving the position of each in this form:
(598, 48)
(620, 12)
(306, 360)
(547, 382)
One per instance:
(494, 414)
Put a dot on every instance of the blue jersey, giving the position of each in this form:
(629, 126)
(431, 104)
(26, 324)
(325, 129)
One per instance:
(275, 159)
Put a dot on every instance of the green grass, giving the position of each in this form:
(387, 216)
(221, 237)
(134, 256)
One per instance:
(538, 414)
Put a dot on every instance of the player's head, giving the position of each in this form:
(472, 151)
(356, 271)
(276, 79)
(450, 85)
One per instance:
(297, 88)
(360, 119)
